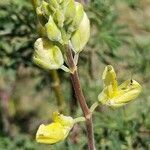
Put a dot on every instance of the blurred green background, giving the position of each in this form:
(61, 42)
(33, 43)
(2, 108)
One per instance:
(120, 36)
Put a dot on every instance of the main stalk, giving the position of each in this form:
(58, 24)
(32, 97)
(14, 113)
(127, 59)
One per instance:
(81, 99)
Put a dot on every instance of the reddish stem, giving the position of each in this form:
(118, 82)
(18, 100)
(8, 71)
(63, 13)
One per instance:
(81, 99)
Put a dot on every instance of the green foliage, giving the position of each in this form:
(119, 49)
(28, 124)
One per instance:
(133, 3)
(142, 55)
(120, 131)
(109, 34)
(20, 142)
(17, 29)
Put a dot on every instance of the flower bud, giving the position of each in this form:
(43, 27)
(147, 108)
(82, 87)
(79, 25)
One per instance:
(77, 18)
(69, 10)
(114, 95)
(42, 19)
(47, 55)
(59, 18)
(56, 131)
(53, 4)
(81, 35)
(59, 1)
(45, 9)
(52, 30)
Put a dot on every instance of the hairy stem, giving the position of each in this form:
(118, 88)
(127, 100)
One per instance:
(79, 119)
(81, 99)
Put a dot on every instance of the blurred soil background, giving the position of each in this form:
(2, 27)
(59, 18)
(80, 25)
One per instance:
(120, 36)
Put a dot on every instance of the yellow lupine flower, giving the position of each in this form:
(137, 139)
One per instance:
(56, 131)
(114, 95)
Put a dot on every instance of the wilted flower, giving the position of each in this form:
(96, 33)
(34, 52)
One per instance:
(47, 55)
(56, 131)
(114, 95)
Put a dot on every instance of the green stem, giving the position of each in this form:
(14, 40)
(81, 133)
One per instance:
(93, 107)
(79, 119)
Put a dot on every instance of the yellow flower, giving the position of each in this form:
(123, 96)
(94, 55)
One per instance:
(56, 131)
(114, 95)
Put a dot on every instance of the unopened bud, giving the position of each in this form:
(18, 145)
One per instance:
(52, 30)
(47, 55)
(69, 10)
(45, 9)
(59, 18)
(53, 4)
(81, 35)
(77, 18)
